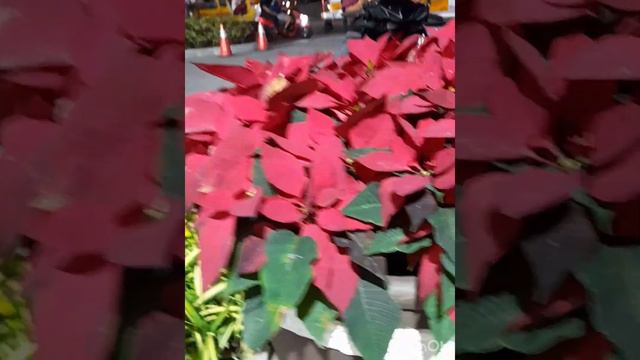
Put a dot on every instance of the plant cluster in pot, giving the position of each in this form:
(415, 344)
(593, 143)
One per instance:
(314, 174)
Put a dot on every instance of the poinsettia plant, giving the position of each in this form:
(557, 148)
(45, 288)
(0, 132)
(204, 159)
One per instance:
(549, 193)
(310, 166)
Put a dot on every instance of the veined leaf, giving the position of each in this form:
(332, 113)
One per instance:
(366, 206)
(297, 116)
(371, 320)
(603, 217)
(444, 228)
(259, 323)
(385, 241)
(287, 274)
(612, 279)
(413, 247)
(540, 340)
(318, 318)
(481, 324)
(440, 324)
(356, 153)
(259, 179)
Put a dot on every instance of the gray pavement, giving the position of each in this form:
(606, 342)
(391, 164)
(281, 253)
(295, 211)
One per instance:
(196, 80)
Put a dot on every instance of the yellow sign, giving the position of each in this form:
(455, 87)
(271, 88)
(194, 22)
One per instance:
(439, 5)
(335, 6)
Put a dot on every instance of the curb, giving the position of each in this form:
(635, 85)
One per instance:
(211, 51)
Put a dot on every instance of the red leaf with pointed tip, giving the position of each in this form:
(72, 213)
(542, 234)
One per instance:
(230, 165)
(507, 12)
(544, 73)
(429, 272)
(408, 105)
(332, 273)
(216, 238)
(246, 108)
(295, 146)
(407, 44)
(545, 189)
(614, 131)
(486, 239)
(320, 126)
(409, 184)
(396, 80)
(620, 182)
(442, 97)
(247, 206)
(158, 336)
(365, 50)
(383, 162)
(612, 57)
(444, 128)
(148, 244)
(372, 132)
(87, 306)
(284, 171)
(390, 201)
(252, 256)
(238, 75)
(280, 210)
(444, 160)
(344, 87)
(328, 175)
(203, 113)
(410, 131)
(331, 219)
(446, 180)
(317, 100)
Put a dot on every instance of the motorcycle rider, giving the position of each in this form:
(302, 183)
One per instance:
(272, 10)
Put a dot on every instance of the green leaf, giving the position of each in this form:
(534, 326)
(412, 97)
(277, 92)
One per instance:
(439, 195)
(287, 273)
(448, 290)
(239, 284)
(356, 153)
(260, 180)
(318, 318)
(297, 116)
(443, 222)
(448, 264)
(603, 217)
(412, 247)
(172, 178)
(260, 323)
(612, 280)
(366, 205)
(481, 324)
(371, 319)
(440, 324)
(540, 340)
(385, 242)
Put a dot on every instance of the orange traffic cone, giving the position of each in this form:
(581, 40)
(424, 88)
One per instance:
(261, 41)
(225, 45)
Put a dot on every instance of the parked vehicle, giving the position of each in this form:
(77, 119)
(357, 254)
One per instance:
(439, 12)
(397, 16)
(245, 9)
(299, 27)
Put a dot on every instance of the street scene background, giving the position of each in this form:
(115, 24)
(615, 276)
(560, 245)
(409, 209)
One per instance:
(196, 80)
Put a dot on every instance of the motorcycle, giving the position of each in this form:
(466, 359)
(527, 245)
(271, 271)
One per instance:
(404, 17)
(299, 26)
